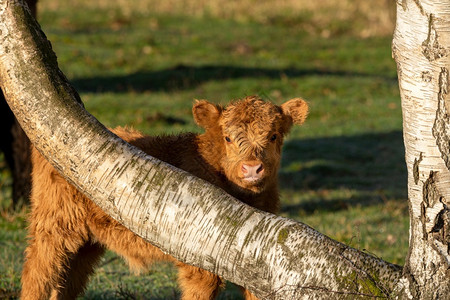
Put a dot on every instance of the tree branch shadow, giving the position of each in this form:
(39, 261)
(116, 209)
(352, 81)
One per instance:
(371, 164)
(186, 77)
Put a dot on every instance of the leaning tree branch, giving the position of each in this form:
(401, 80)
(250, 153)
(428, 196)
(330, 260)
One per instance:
(274, 257)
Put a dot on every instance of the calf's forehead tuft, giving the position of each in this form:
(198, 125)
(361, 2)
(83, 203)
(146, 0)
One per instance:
(251, 113)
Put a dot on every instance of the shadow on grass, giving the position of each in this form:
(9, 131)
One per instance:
(185, 77)
(125, 295)
(231, 292)
(6, 294)
(372, 166)
(326, 205)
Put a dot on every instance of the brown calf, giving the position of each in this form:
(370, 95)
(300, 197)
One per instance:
(239, 152)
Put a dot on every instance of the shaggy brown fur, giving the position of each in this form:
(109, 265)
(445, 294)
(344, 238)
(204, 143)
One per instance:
(239, 152)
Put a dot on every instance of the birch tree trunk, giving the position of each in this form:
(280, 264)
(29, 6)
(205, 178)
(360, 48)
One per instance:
(421, 48)
(274, 257)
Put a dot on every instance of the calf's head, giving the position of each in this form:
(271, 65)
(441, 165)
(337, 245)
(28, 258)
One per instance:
(247, 136)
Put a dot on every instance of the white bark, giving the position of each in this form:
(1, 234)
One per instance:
(421, 48)
(274, 257)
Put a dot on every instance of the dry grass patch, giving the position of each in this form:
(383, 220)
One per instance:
(325, 17)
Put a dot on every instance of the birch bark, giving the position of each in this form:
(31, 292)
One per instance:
(274, 257)
(421, 48)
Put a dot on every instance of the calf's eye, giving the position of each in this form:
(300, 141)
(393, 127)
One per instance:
(227, 139)
(273, 138)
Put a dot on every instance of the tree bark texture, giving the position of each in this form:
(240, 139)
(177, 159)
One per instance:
(15, 146)
(197, 223)
(421, 48)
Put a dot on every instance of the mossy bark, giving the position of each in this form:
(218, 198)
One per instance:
(274, 257)
(421, 48)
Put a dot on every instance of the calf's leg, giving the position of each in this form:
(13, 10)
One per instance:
(80, 267)
(197, 284)
(54, 268)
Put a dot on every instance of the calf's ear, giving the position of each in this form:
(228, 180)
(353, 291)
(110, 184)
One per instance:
(296, 111)
(206, 114)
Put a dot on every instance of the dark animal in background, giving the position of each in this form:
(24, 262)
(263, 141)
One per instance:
(15, 146)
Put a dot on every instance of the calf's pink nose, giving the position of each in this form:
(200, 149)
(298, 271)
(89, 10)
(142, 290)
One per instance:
(255, 171)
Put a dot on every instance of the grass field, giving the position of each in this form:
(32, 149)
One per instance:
(142, 63)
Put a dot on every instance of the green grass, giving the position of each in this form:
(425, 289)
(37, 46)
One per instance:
(343, 172)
